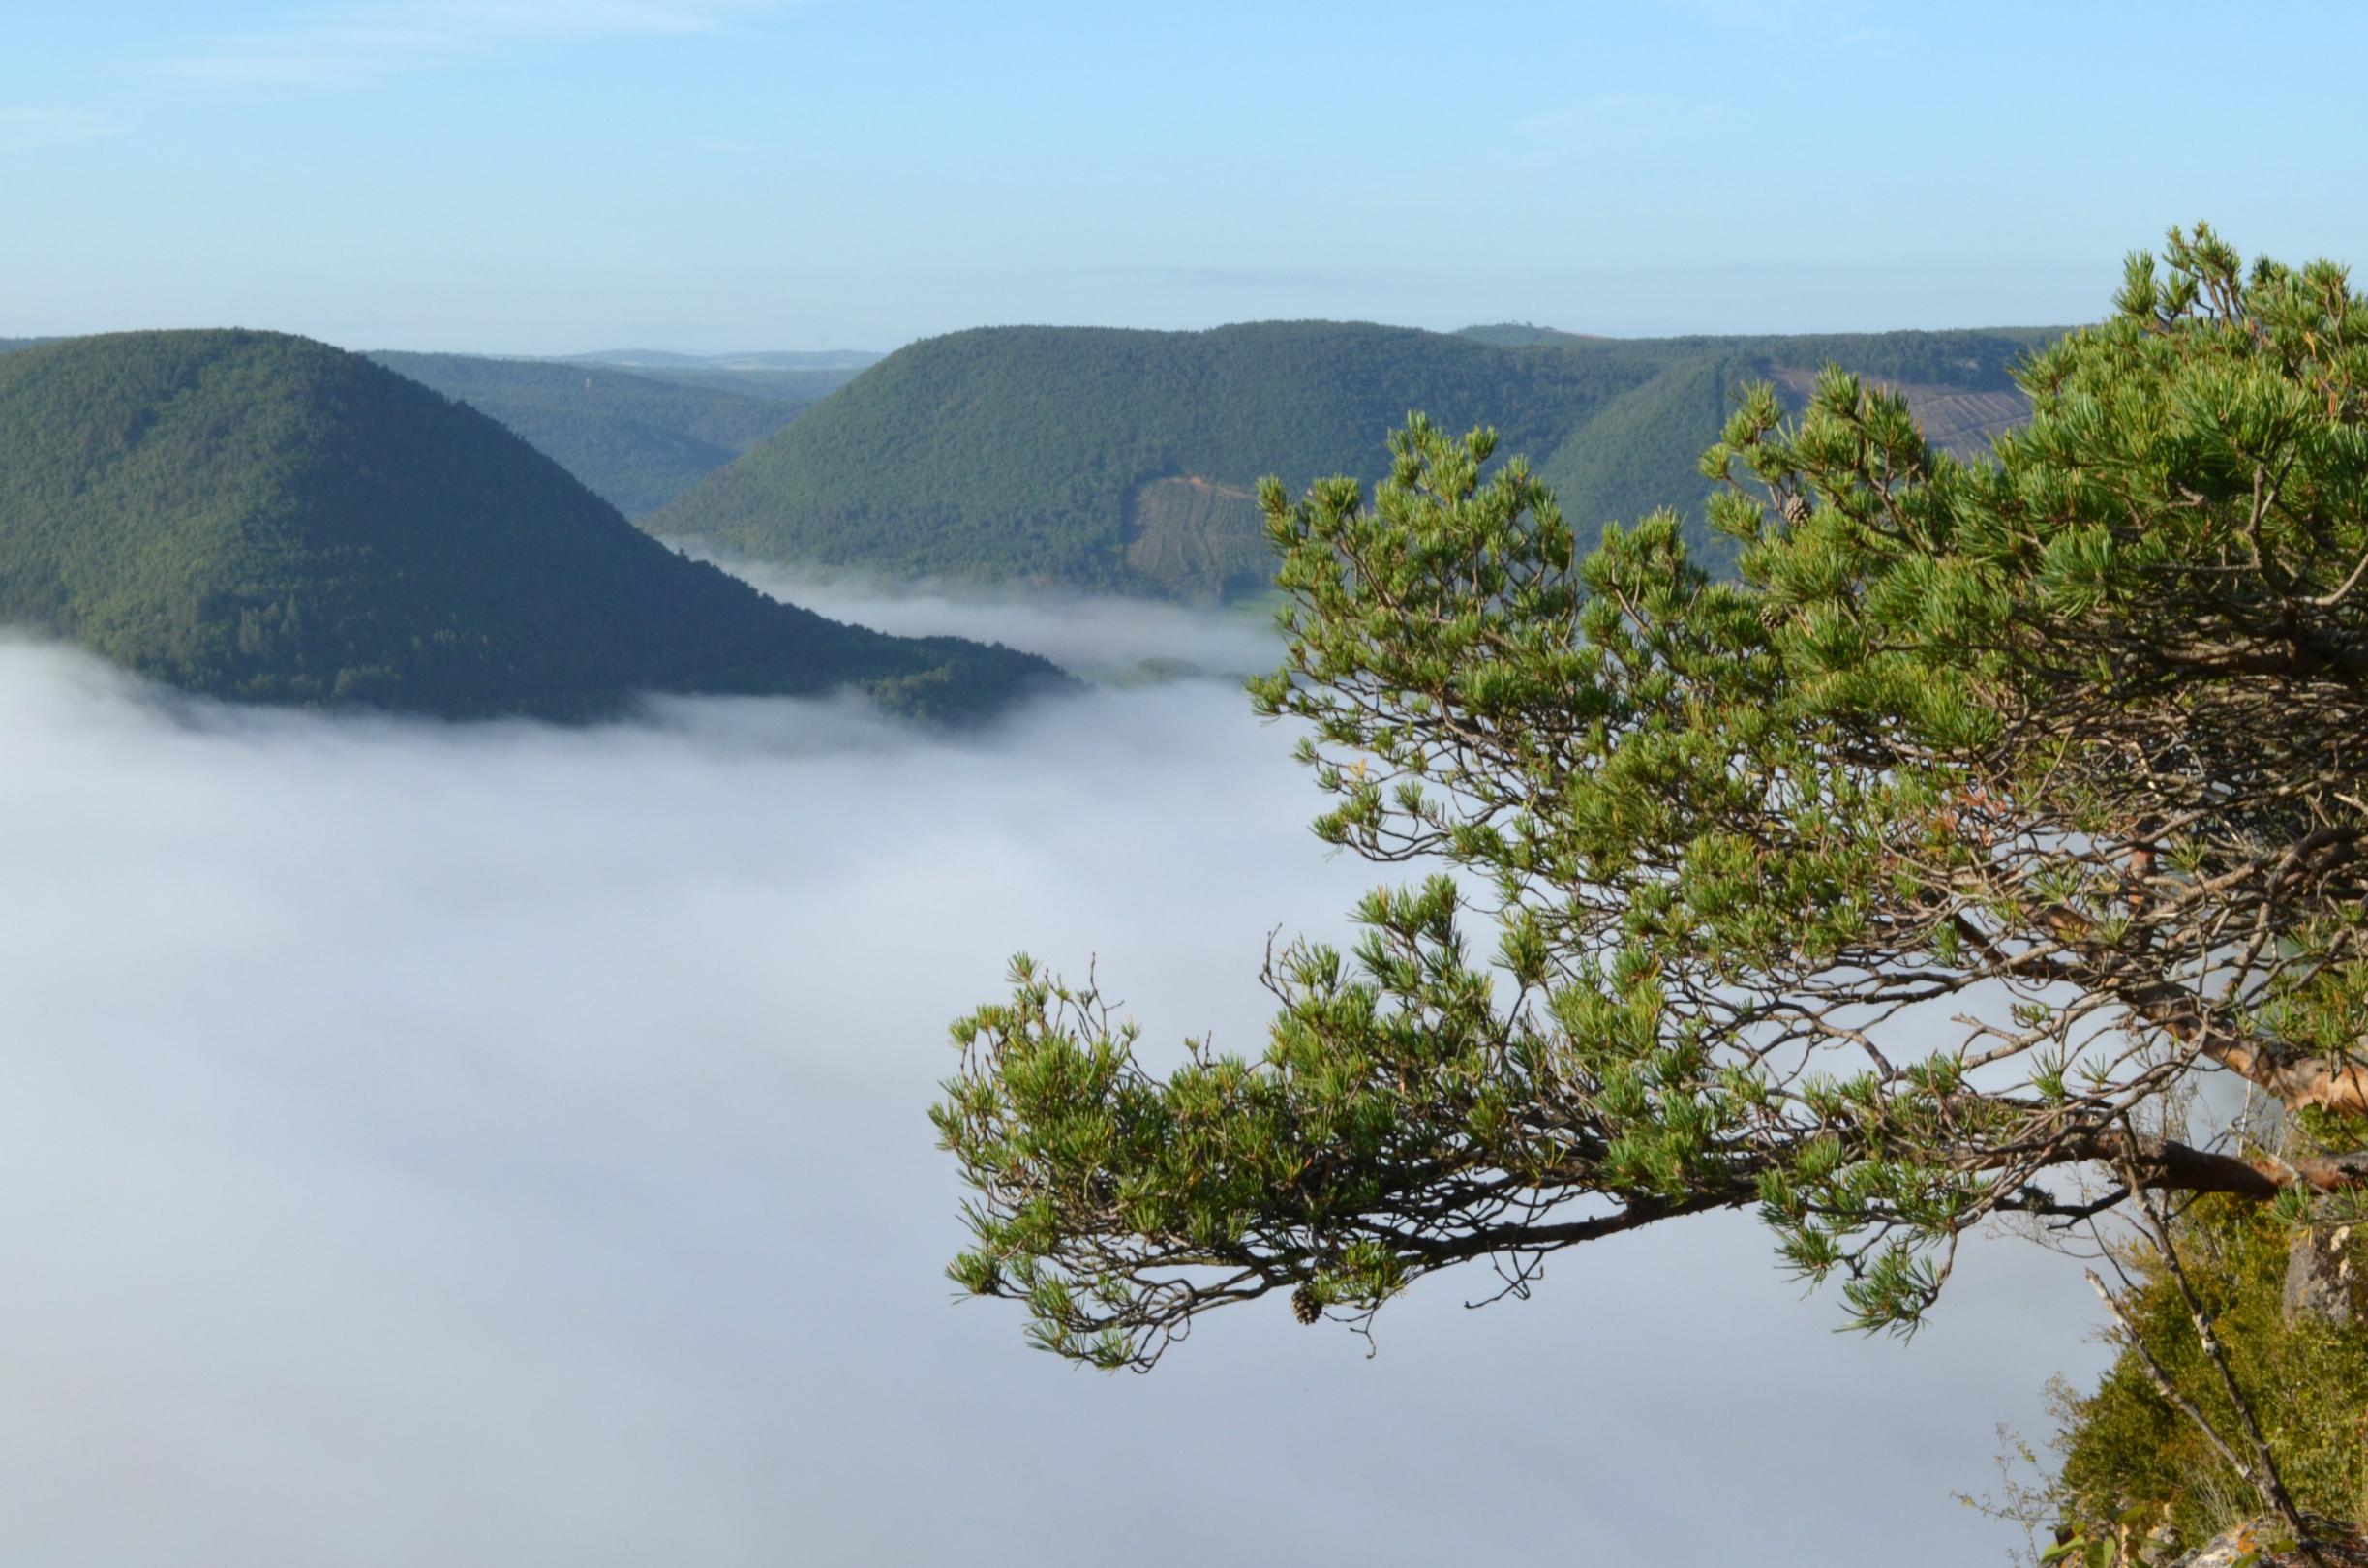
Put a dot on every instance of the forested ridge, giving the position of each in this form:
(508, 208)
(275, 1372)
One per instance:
(635, 439)
(264, 518)
(797, 377)
(1050, 454)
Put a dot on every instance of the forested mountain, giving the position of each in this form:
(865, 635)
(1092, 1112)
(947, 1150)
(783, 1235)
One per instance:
(264, 518)
(796, 387)
(1125, 461)
(635, 441)
(793, 377)
(1638, 452)
(763, 360)
(1109, 458)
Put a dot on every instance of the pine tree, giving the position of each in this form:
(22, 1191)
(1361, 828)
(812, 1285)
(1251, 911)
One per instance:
(1908, 881)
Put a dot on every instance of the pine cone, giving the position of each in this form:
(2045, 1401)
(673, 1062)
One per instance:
(1304, 1306)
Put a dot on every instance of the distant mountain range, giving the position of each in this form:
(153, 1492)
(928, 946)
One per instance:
(264, 518)
(637, 426)
(635, 441)
(792, 377)
(1125, 461)
(846, 359)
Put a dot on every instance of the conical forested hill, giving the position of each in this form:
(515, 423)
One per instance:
(1109, 458)
(264, 518)
(1125, 461)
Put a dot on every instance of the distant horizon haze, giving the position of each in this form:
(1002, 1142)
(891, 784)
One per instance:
(713, 346)
(725, 351)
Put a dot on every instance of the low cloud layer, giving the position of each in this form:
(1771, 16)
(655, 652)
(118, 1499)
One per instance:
(508, 1145)
(1101, 639)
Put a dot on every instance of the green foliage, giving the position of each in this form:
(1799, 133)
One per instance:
(1022, 453)
(1642, 450)
(266, 519)
(2062, 744)
(2126, 1453)
(635, 441)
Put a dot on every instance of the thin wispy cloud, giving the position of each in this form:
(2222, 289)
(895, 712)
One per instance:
(360, 45)
(32, 127)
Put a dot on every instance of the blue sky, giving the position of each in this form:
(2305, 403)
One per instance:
(539, 176)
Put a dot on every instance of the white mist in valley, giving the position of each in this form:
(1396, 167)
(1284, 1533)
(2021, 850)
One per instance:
(507, 1144)
(1099, 637)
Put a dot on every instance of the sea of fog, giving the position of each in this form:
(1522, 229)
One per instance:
(1101, 639)
(508, 1145)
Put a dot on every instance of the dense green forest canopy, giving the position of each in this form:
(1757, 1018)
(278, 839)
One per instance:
(636, 441)
(638, 427)
(263, 518)
(1124, 461)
